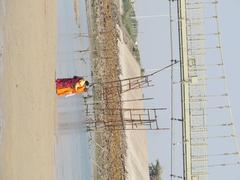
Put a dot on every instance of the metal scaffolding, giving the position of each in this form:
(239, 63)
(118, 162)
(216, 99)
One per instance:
(131, 119)
(206, 109)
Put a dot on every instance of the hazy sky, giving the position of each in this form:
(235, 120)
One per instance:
(154, 47)
(154, 44)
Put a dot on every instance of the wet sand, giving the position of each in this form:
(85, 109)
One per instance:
(27, 150)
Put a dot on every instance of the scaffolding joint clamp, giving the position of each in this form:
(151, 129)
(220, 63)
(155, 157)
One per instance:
(174, 61)
(176, 119)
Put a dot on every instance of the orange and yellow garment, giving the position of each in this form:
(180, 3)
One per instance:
(66, 86)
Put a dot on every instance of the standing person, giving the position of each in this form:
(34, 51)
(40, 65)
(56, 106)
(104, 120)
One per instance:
(75, 85)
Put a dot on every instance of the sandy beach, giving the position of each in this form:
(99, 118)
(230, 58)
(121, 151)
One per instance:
(29, 55)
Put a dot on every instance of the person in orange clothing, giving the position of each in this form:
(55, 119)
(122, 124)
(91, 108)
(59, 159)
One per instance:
(67, 86)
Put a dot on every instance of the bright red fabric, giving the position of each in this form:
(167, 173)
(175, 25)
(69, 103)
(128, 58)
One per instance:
(67, 82)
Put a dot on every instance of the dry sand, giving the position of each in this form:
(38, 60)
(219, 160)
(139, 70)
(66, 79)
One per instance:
(137, 157)
(27, 151)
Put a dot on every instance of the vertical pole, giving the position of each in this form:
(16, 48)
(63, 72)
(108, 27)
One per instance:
(155, 115)
(122, 118)
(131, 118)
(183, 48)
(172, 101)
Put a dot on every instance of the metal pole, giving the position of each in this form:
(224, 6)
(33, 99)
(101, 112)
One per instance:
(183, 48)
(172, 101)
